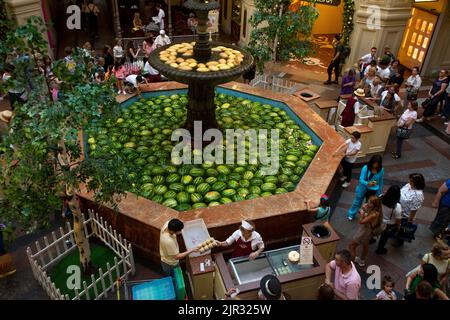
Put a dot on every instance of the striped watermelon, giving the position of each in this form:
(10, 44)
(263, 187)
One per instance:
(199, 205)
(183, 197)
(190, 188)
(219, 186)
(170, 194)
(212, 196)
(280, 191)
(203, 188)
(228, 192)
(197, 172)
(195, 197)
(183, 207)
(212, 172)
(243, 192)
(225, 200)
(252, 196)
(256, 182)
(158, 199)
(223, 169)
(173, 177)
(266, 194)
(238, 197)
(255, 190)
(244, 183)
(211, 180)
(171, 203)
(288, 186)
(271, 179)
(233, 184)
(158, 180)
(268, 186)
(248, 175)
(214, 204)
(160, 189)
(198, 181)
(176, 187)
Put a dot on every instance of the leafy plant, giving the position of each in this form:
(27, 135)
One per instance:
(280, 34)
(42, 154)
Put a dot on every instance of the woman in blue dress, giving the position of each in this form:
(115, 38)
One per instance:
(370, 183)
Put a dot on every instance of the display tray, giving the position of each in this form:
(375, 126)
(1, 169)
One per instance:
(194, 233)
(281, 264)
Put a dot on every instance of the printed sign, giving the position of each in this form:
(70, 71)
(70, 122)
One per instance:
(306, 251)
(213, 23)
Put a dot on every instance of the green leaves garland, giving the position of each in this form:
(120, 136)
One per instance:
(349, 11)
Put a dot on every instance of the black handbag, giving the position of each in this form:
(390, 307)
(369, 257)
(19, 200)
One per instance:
(426, 103)
(412, 94)
(403, 133)
(407, 231)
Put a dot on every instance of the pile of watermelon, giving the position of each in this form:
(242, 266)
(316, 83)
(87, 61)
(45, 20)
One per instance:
(140, 138)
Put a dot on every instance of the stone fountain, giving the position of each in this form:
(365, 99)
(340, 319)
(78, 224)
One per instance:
(201, 85)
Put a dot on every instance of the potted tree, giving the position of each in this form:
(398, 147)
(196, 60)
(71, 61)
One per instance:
(42, 154)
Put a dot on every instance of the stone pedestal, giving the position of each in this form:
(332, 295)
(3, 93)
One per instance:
(394, 15)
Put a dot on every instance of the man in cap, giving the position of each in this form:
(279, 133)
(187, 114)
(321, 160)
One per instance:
(247, 242)
(162, 39)
(269, 289)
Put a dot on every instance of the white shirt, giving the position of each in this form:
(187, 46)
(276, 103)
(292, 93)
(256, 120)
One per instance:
(257, 242)
(162, 41)
(351, 147)
(132, 79)
(160, 19)
(390, 216)
(366, 70)
(416, 81)
(367, 58)
(118, 52)
(410, 199)
(406, 116)
(384, 73)
(374, 90)
(384, 94)
(150, 70)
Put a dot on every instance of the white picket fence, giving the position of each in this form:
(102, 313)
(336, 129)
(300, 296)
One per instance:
(49, 252)
(275, 84)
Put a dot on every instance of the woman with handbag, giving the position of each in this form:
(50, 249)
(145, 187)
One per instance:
(435, 95)
(392, 216)
(413, 84)
(370, 223)
(404, 127)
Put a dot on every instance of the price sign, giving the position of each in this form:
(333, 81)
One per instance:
(306, 251)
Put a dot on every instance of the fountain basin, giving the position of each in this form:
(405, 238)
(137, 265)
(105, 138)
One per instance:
(278, 218)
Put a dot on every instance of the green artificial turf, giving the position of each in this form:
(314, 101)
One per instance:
(100, 256)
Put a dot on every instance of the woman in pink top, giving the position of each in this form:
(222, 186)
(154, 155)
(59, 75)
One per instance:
(119, 74)
(148, 47)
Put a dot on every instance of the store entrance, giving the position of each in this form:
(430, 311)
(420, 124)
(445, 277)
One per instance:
(417, 38)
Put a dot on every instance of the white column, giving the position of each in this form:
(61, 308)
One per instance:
(249, 7)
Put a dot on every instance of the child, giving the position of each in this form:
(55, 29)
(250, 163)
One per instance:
(322, 211)
(351, 146)
(119, 74)
(388, 290)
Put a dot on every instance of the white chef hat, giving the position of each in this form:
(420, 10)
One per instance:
(246, 225)
(162, 32)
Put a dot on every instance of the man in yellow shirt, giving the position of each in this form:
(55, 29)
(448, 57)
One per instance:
(168, 246)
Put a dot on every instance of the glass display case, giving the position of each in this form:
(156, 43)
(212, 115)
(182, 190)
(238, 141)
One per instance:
(270, 262)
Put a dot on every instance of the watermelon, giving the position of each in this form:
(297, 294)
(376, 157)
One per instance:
(214, 204)
(243, 192)
(288, 185)
(248, 175)
(244, 183)
(238, 197)
(169, 194)
(225, 200)
(266, 194)
(212, 172)
(186, 180)
(255, 190)
(203, 188)
(183, 207)
(195, 197)
(158, 198)
(190, 189)
(212, 196)
(183, 197)
(171, 203)
(223, 169)
(198, 181)
(228, 192)
(252, 196)
(233, 184)
(158, 180)
(219, 186)
(173, 177)
(197, 172)
(280, 191)
(271, 179)
(199, 205)
(268, 186)
(160, 189)
(211, 180)
(176, 186)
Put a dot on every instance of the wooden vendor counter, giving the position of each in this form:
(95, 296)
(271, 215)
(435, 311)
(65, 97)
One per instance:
(298, 282)
(375, 130)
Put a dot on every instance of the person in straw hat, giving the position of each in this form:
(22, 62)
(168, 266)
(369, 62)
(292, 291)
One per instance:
(352, 108)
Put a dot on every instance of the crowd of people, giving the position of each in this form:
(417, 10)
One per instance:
(378, 79)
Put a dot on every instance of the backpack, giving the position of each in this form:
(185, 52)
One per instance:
(345, 52)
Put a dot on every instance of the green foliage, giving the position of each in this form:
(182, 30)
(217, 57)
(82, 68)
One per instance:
(273, 21)
(349, 11)
(44, 131)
